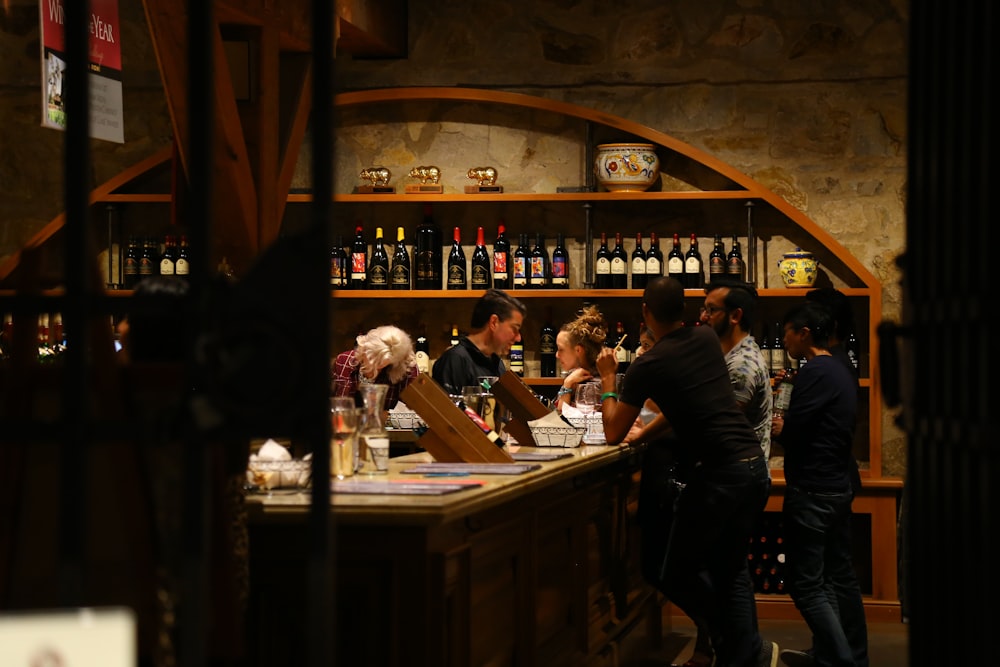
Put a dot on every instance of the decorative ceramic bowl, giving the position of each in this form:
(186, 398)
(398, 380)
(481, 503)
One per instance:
(626, 167)
(798, 268)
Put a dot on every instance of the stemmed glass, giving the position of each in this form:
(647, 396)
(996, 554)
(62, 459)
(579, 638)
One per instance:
(587, 400)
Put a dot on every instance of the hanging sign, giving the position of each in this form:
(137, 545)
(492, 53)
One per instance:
(106, 117)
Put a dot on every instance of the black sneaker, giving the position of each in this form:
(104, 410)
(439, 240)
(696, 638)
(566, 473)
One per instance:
(793, 658)
(768, 656)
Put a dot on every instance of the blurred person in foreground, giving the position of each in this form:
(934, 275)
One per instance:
(704, 569)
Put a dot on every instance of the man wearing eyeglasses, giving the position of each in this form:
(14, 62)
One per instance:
(730, 309)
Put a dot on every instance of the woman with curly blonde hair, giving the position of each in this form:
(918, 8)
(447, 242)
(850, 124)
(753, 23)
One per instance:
(384, 355)
(577, 345)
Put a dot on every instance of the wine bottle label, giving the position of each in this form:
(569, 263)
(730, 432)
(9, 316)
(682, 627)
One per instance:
(517, 359)
(675, 265)
(717, 267)
(537, 271)
(603, 266)
(559, 276)
(378, 277)
(181, 268)
(520, 272)
(618, 266)
(358, 271)
(621, 354)
(653, 267)
(456, 277)
(547, 344)
(131, 266)
(499, 266)
(638, 266)
(400, 276)
(423, 361)
(691, 265)
(480, 277)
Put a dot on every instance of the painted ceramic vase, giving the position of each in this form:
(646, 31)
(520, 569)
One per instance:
(798, 268)
(626, 167)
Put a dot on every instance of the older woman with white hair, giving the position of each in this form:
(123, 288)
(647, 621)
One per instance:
(384, 355)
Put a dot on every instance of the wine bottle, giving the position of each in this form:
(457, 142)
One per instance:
(378, 265)
(183, 266)
(338, 265)
(622, 352)
(482, 272)
(853, 352)
(547, 347)
(619, 264)
(168, 261)
(399, 276)
(717, 259)
(602, 267)
(560, 264)
(359, 260)
(694, 275)
(521, 262)
(453, 341)
(457, 277)
(422, 351)
(147, 264)
(428, 254)
(638, 264)
(765, 348)
(783, 393)
(539, 262)
(517, 358)
(777, 351)
(735, 266)
(501, 259)
(654, 258)
(130, 265)
(675, 261)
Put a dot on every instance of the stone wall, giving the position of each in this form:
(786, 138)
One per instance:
(805, 96)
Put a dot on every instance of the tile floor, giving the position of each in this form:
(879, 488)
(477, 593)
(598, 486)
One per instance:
(887, 643)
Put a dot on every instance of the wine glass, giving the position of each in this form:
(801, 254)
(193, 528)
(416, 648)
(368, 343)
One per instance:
(587, 400)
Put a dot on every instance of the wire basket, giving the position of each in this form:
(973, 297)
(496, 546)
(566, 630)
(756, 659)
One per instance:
(557, 436)
(405, 420)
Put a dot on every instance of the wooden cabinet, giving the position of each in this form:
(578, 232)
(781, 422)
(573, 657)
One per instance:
(537, 569)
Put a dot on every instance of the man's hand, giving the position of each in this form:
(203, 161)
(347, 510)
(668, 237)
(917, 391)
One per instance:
(607, 363)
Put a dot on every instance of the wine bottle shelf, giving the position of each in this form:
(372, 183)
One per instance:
(560, 293)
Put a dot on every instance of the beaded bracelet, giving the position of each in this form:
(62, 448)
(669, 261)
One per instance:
(608, 394)
(564, 390)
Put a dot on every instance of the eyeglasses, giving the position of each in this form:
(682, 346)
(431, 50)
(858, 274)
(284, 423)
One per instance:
(712, 310)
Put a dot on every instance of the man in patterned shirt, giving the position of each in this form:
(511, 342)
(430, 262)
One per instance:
(730, 308)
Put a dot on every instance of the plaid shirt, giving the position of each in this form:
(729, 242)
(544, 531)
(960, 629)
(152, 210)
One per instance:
(345, 376)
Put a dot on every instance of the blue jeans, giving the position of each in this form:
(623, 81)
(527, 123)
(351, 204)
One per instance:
(705, 569)
(820, 575)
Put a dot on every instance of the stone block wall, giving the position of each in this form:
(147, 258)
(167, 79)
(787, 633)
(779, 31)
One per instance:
(806, 97)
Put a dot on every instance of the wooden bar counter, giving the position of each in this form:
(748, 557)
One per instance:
(540, 568)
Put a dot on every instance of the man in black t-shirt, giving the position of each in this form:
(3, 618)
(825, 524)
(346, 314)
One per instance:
(705, 569)
(496, 324)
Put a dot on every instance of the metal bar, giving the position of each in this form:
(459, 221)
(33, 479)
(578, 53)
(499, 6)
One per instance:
(197, 503)
(322, 630)
(73, 439)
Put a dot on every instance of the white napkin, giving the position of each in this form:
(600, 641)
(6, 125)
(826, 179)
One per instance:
(552, 420)
(272, 451)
